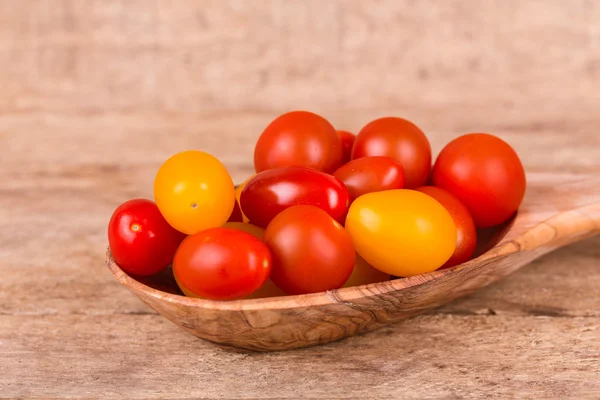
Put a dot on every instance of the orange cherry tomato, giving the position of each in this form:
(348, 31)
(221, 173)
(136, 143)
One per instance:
(485, 174)
(401, 232)
(311, 251)
(371, 174)
(300, 139)
(194, 191)
(238, 194)
(466, 238)
(399, 139)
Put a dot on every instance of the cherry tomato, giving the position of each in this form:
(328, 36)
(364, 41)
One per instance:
(299, 138)
(141, 241)
(401, 232)
(363, 274)
(311, 251)
(466, 238)
(272, 191)
(485, 174)
(399, 139)
(194, 191)
(268, 289)
(371, 174)
(222, 264)
(236, 214)
(347, 139)
(238, 193)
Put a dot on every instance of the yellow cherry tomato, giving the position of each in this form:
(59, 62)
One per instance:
(238, 193)
(401, 232)
(363, 274)
(194, 192)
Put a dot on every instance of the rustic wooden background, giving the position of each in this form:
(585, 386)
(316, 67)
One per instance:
(96, 94)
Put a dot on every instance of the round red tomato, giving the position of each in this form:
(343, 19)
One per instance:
(399, 139)
(347, 139)
(299, 138)
(311, 251)
(485, 174)
(466, 235)
(141, 241)
(222, 264)
(371, 174)
(270, 192)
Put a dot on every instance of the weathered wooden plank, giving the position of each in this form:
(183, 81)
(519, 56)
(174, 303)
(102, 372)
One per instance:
(436, 356)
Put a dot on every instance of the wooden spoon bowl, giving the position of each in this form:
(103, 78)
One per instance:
(557, 210)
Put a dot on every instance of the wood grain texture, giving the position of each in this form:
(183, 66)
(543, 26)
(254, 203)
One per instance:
(96, 94)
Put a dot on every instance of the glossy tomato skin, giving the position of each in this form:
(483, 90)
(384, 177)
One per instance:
(298, 138)
(485, 174)
(347, 139)
(194, 191)
(141, 241)
(311, 252)
(221, 264)
(270, 192)
(401, 232)
(371, 174)
(466, 239)
(400, 139)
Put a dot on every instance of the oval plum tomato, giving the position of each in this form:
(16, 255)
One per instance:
(311, 252)
(485, 174)
(222, 264)
(268, 289)
(194, 191)
(347, 139)
(466, 238)
(371, 174)
(399, 139)
(401, 232)
(141, 240)
(298, 138)
(272, 191)
(363, 274)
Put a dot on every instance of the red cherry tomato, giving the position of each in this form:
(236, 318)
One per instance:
(141, 241)
(311, 251)
(347, 139)
(371, 174)
(222, 264)
(483, 172)
(299, 138)
(270, 192)
(236, 214)
(399, 139)
(466, 238)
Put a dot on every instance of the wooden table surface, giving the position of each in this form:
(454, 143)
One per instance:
(95, 95)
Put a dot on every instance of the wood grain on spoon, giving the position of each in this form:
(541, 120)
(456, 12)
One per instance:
(557, 210)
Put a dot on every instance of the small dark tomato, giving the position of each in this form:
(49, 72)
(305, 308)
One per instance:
(371, 174)
(347, 139)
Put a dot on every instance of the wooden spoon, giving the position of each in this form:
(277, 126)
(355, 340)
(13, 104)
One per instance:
(558, 209)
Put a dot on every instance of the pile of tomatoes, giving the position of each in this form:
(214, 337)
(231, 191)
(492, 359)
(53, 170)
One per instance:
(326, 209)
